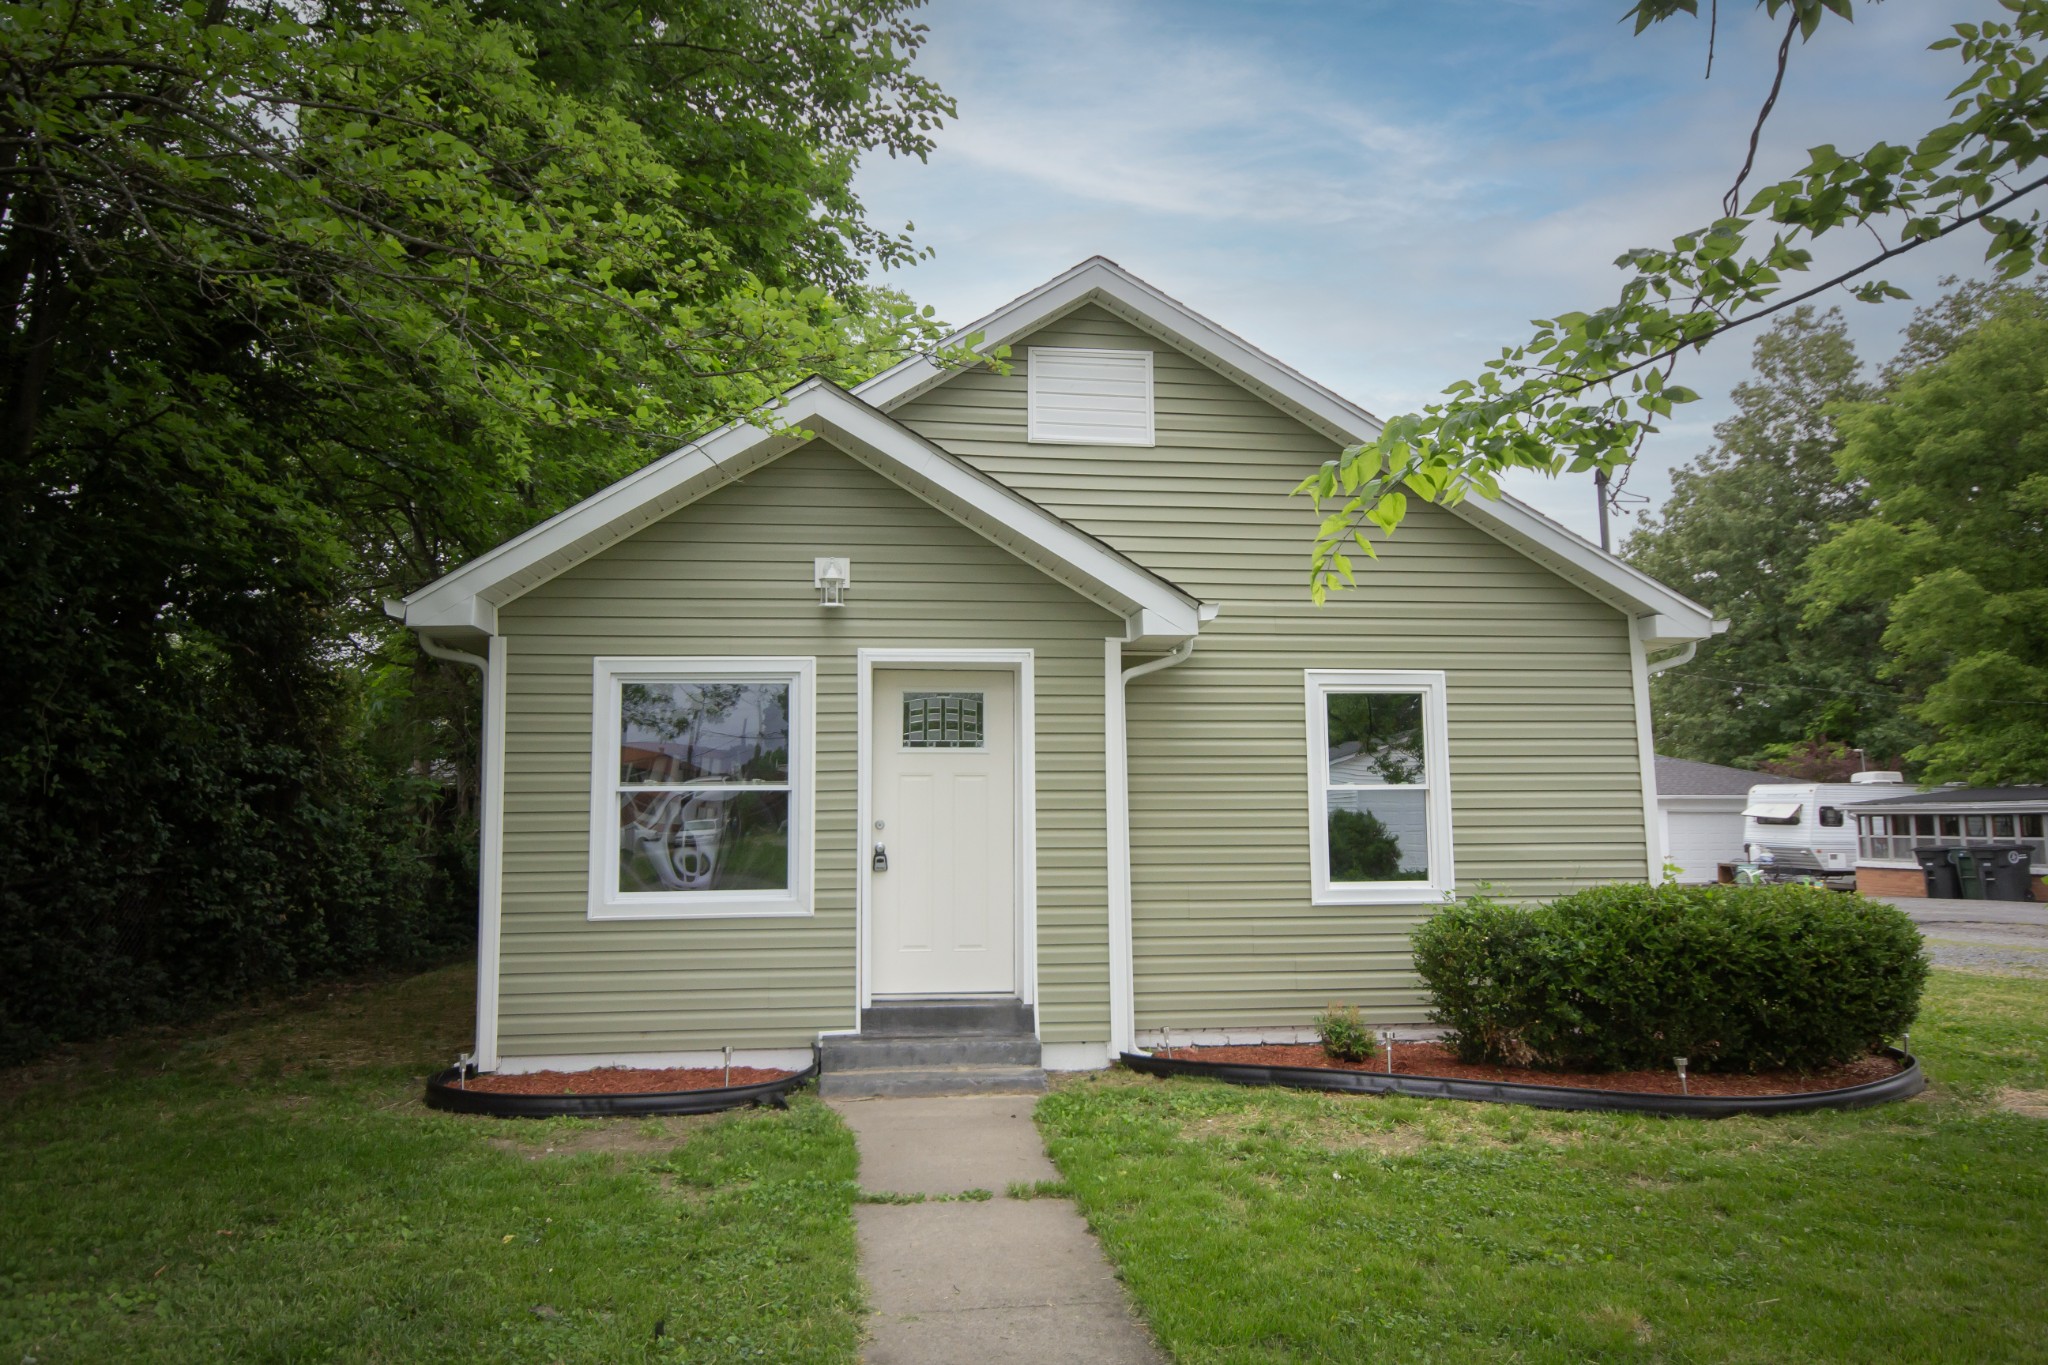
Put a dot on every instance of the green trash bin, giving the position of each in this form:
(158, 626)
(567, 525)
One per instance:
(1967, 864)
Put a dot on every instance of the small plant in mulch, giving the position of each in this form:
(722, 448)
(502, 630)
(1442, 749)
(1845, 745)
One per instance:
(1344, 1033)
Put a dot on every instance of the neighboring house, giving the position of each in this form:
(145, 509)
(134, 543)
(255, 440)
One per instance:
(1074, 744)
(1890, 833)
(1699, 814)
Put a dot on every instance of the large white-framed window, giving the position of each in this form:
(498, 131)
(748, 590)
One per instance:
(703, 787)
(1379, 787)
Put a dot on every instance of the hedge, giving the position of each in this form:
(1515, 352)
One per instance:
(1627, 977)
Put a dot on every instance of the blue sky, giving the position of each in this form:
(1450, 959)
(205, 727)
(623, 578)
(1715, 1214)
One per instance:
(1384, 192)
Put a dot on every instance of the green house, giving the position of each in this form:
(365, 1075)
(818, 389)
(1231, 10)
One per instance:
(1002, 694)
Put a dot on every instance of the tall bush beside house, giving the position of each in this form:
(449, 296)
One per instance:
(1629, 976)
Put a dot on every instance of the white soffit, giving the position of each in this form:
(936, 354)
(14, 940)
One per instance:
(1677, 619)
(468, 598)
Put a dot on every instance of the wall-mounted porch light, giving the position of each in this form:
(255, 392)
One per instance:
(831, 577)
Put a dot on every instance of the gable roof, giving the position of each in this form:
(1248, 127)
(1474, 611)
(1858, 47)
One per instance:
(1685, 777)
(467, 599)
(1666, 617)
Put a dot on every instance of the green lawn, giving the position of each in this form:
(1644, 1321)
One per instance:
(1266, 1225)
(272, 1189)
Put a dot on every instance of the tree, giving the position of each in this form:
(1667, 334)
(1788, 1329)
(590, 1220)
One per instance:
(1582, 392)
(1362, 849)
(1735, 536)
(1955, 461)
(304, 304)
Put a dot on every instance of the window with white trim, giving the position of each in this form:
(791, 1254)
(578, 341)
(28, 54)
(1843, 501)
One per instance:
(701, 787)
(1379, 787)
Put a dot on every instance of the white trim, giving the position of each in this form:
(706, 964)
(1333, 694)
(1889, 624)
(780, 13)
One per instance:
(1646, 751)
(1075, 1056)
(1101, 281)
(1021, 663)
(605, 901)
(490, 880)
(1116, 767)
(776, 1058)
(1317, 683)
(470, 596)
(1041, 432)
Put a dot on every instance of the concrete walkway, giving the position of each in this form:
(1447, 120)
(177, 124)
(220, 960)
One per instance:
(986, 1281)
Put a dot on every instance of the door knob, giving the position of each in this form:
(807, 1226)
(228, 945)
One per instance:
(881, 858)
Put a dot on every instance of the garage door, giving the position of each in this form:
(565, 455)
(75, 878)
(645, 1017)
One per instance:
(1700, 842)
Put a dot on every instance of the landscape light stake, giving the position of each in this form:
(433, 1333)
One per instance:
(1387, 1045)
(1906, 1042)
(1682, 1088)
(728, 1066)
(1166, 1042)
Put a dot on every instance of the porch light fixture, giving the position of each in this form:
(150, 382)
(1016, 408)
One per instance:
(830, 577)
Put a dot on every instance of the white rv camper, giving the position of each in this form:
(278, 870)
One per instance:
(1800, 829)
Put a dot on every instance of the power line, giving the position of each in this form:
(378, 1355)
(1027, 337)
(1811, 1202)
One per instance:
(1840, 692)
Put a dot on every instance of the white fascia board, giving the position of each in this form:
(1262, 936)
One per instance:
(1102, 281)
(1006, 517)
(1702, 805)
(469, 597)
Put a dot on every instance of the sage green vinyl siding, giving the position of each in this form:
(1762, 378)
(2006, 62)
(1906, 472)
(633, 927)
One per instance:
(1545, 775)
(731, 575)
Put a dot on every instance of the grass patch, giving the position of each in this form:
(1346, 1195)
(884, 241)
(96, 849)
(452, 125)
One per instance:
(918, 1197)
(271, 1188)
(1040, 1189)
(1268, 1225)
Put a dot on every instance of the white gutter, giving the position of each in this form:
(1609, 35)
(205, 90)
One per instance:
(1123, 1030)
(491, 823)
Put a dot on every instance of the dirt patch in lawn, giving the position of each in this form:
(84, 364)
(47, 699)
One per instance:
(1433, 1059)
(624, 1080)
(2032, 1103)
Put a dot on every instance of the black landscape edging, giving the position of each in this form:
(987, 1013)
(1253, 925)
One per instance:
(444, 1091)
(1907, 1082)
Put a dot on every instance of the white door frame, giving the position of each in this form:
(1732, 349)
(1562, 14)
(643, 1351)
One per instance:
(1017, 662)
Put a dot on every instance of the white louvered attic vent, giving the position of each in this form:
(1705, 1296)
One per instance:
(1083, 396)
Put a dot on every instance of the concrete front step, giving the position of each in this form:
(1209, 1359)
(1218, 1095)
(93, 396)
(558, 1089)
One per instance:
(871, 1052)
(962, 1016)
(903, 1082)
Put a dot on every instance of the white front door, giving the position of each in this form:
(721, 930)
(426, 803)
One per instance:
(944, 918)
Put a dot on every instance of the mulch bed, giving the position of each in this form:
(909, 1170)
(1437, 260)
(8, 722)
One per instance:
(622, 1080)
(1433, 1059)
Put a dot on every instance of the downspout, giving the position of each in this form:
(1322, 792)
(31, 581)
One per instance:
(455, 656)
(485, 1058)
(1123, 1032)
(1683, 656)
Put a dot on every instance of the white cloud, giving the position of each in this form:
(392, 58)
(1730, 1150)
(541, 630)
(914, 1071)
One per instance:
(1382, 196)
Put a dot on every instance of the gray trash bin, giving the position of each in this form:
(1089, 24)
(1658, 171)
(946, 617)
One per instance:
(1943, 883)
(2006, 870)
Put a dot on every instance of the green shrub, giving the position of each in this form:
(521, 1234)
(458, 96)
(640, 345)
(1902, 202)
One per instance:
(1630, 976)
(1344, 1034)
